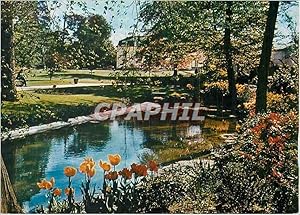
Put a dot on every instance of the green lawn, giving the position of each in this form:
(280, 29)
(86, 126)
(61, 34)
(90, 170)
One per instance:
(34, 108)
(29, 98)
(41, 77)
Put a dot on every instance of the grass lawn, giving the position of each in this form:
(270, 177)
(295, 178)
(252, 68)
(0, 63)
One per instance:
(27, 98)
(41, 77)
(34, 108)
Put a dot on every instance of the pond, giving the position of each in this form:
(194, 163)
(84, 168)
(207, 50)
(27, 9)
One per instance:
(45, 155)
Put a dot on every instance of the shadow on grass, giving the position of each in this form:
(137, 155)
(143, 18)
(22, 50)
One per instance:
(80, 76)
(136, 93)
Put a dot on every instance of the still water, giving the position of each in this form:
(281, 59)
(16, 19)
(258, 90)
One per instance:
(45, 155)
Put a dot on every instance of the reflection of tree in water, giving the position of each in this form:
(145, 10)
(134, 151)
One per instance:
(160, 134)
(219, 125)
(26, 161)
(93, 135)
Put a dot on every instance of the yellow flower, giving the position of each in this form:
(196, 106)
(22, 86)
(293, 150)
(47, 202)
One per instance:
(44, 184)
(105, 166)
(189, 86)
(57, 192)
(70, 171)
(114, 159)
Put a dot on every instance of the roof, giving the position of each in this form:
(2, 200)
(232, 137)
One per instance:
(130, 41)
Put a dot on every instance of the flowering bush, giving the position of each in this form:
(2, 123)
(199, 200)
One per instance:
(263, 176)
(270, 141)
(122, 191)
(218, 92)
(221, 86)
(282, 102)
(257, 175)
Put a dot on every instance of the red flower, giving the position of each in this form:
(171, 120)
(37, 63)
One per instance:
(276, 174)
(139, 169)
(153, 166)
(111, 175)
(258, 128)
(125, 173)
(274, 117)
(274, 140)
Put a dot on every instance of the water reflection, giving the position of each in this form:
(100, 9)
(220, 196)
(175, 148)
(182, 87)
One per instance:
(45, 155)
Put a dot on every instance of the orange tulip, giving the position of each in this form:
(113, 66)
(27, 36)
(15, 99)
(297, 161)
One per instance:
(105, 166)
(69, 191)
(70, 171)
(125, 173)
(91, 172)
(52, 181)
(153, 166)
(44, 184)
(114, 159)
(57, 192)
(87, 165)
(111, 175)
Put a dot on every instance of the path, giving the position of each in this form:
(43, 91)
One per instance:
(46, 87)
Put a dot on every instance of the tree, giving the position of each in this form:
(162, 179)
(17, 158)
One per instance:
(89, 41)
(9, 202)
(228, 56)
(229, 34)
(261, 92)
(8, 88)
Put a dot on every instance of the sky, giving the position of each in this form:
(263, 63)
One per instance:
(123, 21)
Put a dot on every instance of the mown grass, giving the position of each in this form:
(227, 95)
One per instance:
(27, 98)
(41, 77)
(35, 108)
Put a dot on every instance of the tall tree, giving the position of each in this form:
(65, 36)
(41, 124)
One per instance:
(8, 88)
(89, 41)
(228, 56)
(261, 92)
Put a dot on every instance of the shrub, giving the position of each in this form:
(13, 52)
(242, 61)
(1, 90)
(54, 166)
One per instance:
(263, 176)
(285, 79)
(282, 102)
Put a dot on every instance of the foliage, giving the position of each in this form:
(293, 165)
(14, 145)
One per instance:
(89, 45)
(282, 103)
(285, 78)
(42, 114)
(174, 29)
(219, 89)
(48, 44)
(269, 156)
(259, 174)
(37, 114)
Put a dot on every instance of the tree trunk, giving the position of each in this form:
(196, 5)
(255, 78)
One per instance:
(9, 202)
(262, 88)
(8, 87)
(228, 56)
